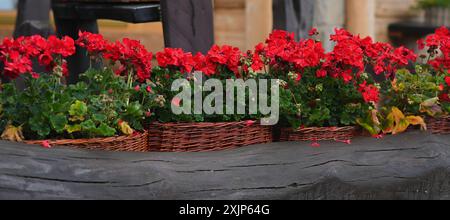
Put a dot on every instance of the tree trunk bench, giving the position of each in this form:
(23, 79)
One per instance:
(409, 166)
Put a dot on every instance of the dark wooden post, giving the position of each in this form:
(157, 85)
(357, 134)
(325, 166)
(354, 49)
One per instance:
(33, 18)
(294, 16)
(188, 24)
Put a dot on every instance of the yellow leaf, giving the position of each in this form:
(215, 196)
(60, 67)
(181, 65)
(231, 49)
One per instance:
(12, 133)
(417, 120)
(125, 128)
(397, 114)
(400, 127)
(388, 124)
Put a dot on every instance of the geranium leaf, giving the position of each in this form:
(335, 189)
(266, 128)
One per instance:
(78, 109)
(105, 131)
(372, 129)
(401, 126)
(58, 122)
(88, 126)
(417, 120)
(73, 128)
(125, 128)
(397, 115)
(99, 117)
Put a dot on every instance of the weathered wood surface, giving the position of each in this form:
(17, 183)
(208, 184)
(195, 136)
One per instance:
(409, 166)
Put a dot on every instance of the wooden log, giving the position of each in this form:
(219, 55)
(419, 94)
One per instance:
(409, 166)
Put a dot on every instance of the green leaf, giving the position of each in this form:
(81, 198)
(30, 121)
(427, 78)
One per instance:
(88, 126)
(105, 131)
(37, 125)
(73, 128)
(78, 109)
(372, 129)
(99, 117)
(135, 110)
(58, 122)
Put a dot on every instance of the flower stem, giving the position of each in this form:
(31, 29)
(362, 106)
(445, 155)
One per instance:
(129, 84)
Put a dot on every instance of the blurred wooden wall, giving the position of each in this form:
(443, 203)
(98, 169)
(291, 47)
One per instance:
(244, 23)
(241, 23)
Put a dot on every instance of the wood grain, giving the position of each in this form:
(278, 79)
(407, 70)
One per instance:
(409, 166)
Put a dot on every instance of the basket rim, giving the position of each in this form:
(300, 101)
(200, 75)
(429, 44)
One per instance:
(81, 141)
(204, 124)
(332, 129)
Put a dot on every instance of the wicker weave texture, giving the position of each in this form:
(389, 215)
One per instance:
(318, 134)
(439, 125)
(204, 137)
(134, 143)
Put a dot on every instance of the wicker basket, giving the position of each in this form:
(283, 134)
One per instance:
(204, 137)
(439, 125)
(318, 134)
(134, 143)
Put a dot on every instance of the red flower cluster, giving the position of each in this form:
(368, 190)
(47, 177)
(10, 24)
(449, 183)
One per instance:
(94, 43)
(227, 56)
(132, 55)
(255, 59)
(354, 52)
(281, 46)
(439, 49)
(370, 93)
(201, 64)
(347, 60)
(176, 58)
(444, 97)
(17, 54)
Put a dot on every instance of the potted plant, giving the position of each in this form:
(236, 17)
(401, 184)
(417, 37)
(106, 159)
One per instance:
(419, 95)
(196, 130)
(95, 113)
(325, 94)
(437, 12)
(437, 62)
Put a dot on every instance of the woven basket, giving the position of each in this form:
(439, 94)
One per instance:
(134, 143)
(318, 134)
(204, 137)
(439, 125)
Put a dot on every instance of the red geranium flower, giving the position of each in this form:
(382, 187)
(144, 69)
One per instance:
(226, 56)
(370, 93)
(444, 97)
(447, 80)
(64, 47)
(130, 54)
(313, 32)
(176, 58)
(94, 43)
